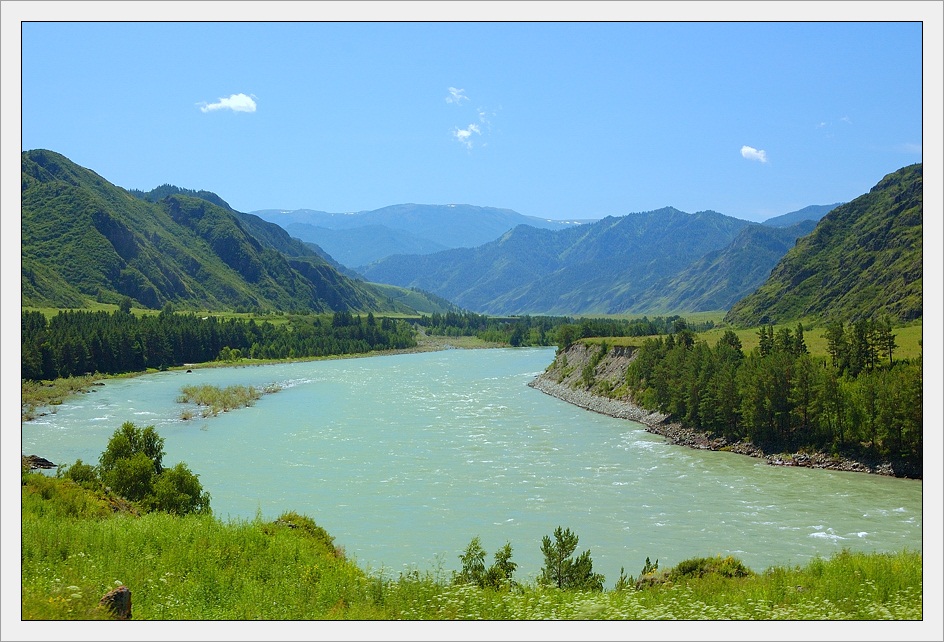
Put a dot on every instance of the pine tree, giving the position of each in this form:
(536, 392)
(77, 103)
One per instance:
(561, 569)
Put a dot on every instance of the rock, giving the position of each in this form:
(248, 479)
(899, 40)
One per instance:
(118, 602)
(35, 461)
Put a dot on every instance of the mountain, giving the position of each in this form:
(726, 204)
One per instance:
(599, 267)
(809, 213)
(863, 259)
(358, 238)
(163, 191)
(85, 239)
(361, 245)
(720, 278)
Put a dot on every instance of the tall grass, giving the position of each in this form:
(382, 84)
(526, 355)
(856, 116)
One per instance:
(36, 395)
(214, 400)
(77, 546)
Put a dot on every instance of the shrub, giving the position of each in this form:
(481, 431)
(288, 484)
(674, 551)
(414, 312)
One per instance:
(82, 474)
(498, 576)
(701, 566)
(131, 466)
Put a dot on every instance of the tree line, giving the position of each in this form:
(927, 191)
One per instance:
(546, 330)
(74, 343)
(780, 397)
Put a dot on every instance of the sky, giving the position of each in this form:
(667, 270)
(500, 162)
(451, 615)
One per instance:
(561, 120)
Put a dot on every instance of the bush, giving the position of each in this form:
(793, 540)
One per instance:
(131, 466)
(178, 491)
(498, 576)
(702, 566)
(82, 474)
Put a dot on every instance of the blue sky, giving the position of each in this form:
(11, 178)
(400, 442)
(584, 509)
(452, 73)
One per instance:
(553, 119)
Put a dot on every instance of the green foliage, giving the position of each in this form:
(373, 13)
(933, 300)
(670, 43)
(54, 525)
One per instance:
(541, 330)
(781, 398)
(863, 260)
(177, 490)
(498, 576)
(79, 342)
(561, 569)
(215, 400)
(131, 466)
(702, 566)
(85, 239)
(78, 544)
(82, 474)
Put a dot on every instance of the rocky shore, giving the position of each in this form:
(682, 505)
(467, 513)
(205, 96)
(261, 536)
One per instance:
(564, 380)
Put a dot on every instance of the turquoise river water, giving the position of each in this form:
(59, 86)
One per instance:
(404, 458)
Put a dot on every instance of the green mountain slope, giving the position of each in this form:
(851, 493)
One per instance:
(720, 278)
(864, 258)
(599, 267)
(86, 239)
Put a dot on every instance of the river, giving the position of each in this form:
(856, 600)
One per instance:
(404, 458)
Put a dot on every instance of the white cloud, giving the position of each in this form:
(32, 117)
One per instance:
(236, 102)
(750, 153)
(464, 136)
(456, 96)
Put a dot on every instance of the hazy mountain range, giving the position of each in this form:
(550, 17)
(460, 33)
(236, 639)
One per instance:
(359, 238)
(659, 261)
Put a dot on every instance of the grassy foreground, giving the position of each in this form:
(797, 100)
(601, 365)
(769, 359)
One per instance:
(77, 545)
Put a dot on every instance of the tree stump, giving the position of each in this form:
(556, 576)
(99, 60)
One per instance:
(118, 602)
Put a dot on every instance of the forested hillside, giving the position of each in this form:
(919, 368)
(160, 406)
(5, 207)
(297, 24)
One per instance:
(84, 239)
(721, 278)
(863, 260)
(600, 267)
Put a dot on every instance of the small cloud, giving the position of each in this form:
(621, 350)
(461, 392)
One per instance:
(464, 136)
(846, 120)
(910, 148)
(456, 96)
(236, 102)
(750, 153)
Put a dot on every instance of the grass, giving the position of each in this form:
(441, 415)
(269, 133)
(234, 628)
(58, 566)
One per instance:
(37, 395)
(907, 337)
(76, 547)
(213, 400)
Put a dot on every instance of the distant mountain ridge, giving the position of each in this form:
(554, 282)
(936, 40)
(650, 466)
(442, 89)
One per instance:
(358, 238)
(809, 213)
(600, 267)
(720, 278)
(85, 239)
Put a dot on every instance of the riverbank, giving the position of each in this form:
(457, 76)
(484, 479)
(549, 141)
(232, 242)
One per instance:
(567, 379)
(39, 398)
